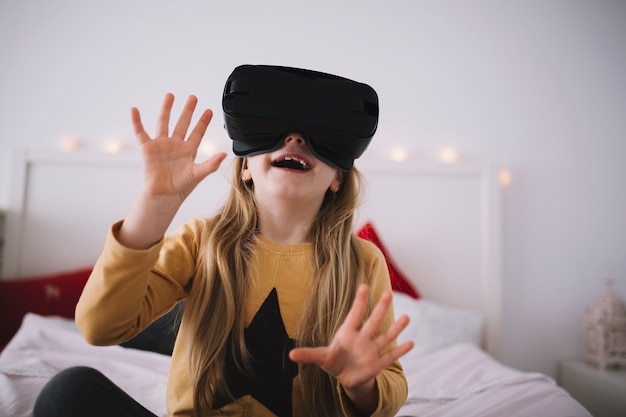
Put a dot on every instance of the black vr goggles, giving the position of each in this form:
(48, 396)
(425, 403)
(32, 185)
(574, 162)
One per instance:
(262, 103)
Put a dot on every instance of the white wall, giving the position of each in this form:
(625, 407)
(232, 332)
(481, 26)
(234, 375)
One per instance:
(538, 86)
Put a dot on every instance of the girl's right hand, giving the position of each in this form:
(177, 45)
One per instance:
(170, 170)
(170, 173)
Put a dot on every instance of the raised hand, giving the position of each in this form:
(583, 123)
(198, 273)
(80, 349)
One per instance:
(170, 172)
(169, 161)
(360, 349)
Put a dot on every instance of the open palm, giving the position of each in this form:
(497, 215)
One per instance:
(169, 161)
(359, 350)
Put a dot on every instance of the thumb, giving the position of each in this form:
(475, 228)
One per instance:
(209, 166)
(315, 356)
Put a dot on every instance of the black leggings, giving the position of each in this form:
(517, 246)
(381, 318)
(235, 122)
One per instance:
(83, 391)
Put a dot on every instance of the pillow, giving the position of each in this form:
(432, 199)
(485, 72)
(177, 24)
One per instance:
(434, 326)
(46, 295)
(57, 295)
(399, 282)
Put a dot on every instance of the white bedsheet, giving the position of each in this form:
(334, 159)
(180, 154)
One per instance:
(44, 346)
(463, 381)
(457, 381)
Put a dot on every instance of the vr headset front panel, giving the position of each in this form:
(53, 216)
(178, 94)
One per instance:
(337, 116)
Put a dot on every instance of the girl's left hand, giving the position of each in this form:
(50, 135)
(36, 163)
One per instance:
(359, 351)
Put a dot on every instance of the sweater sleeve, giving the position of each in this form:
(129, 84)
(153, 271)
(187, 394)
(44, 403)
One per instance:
(128, 289)
(391, 382)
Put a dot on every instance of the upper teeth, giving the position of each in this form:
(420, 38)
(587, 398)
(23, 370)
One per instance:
(291, 158)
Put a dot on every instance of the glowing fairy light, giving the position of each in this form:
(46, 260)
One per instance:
(504, 177)
(399, 154)
(69, 144)
(449, 155)
(113, 145)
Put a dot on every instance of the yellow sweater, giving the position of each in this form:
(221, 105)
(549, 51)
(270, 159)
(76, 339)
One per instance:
(128, 289)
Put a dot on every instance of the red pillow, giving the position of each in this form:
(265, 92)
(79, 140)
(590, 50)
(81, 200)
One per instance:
(398, 281)
(52, 295)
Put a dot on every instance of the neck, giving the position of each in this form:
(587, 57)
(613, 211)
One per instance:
(286, 222)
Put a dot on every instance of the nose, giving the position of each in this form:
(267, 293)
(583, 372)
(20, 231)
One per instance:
(296, 138)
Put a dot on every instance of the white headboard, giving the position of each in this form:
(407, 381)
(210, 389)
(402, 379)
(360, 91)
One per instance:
(440, 223)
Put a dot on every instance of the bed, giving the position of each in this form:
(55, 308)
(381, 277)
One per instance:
(438, 225)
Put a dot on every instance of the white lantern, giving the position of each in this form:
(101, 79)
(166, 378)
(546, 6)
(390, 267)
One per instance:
(605, 331)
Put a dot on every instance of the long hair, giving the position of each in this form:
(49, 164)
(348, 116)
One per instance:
(220, 284)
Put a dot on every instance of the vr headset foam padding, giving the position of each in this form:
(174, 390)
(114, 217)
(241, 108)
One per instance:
(337, 116)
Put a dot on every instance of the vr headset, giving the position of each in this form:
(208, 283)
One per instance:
(337, 116)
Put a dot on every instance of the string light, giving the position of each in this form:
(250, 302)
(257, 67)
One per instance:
(113, 145)
(449, 155)
(398, 154)
(504, 177)
(208, 148)
(69, 144)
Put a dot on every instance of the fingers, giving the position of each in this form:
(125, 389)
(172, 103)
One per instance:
(180, 130)
(182, 125)
(392, 332)
(360, 349)
(162, 129)
(199, 130)
(210, 165)
(308, 355)
(138, 129)
(396, 353)
(372, 326)
(355, 316)
(373, 323)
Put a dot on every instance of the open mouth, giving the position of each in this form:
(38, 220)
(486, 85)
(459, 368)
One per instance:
(291, 162)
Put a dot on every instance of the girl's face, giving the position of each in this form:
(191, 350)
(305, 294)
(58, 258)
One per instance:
(291, 172)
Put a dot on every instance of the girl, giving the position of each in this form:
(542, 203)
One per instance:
(288, 313)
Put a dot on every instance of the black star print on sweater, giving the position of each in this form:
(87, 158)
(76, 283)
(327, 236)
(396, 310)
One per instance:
(272, 375)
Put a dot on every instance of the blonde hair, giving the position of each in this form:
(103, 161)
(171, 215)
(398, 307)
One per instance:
(220, 284)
